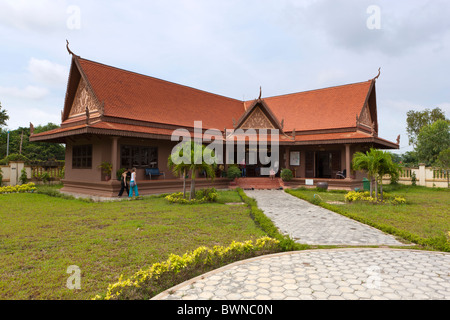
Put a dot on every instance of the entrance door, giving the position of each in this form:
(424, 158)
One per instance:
(328, 164)
(324, 164)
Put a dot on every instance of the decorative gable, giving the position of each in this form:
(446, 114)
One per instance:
(257, 120)
(365, 118)
(83, 98)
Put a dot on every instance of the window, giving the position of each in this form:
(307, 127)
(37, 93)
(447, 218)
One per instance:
(82, 157)
(138, 157)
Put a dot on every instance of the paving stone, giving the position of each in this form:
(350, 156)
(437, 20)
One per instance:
(303, 220)
(350, 274)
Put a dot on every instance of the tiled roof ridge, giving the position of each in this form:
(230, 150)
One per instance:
(158, 79)
(316, 90)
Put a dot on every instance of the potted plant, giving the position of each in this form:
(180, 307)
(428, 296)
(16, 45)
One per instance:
(106, 169)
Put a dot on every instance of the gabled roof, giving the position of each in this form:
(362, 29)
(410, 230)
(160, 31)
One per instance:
(322, 109)
(130, 95)
(127, 101)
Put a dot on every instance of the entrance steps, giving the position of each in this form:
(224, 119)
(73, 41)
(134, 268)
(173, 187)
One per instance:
(263, 183)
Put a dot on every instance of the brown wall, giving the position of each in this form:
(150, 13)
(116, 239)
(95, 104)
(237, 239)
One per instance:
(101, 151)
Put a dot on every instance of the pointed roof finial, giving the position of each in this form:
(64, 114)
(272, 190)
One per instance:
(68, 49)
(260, 93)
(379, 73)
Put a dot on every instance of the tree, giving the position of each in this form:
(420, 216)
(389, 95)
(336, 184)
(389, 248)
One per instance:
(376, 163)
(193, 161)
(365, 162)
(33, 150)
(180, 168)
(409, 159)
(3, 116)
(443, 162)
(432, 140)
(387, 166)
(416, 120)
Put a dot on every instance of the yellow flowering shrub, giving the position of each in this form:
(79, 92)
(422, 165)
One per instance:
(24, 188)
(201, 196)
(176, 269)
(354, 196)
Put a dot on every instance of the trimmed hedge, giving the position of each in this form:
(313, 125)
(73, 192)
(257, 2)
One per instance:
(146, 284)
(286, 243)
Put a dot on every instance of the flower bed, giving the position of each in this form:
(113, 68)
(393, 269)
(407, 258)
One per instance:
(201, 196)
(354, 196)
(24, 188)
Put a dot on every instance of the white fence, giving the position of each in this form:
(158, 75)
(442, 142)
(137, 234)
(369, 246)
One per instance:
(427, 177)
(35, 173)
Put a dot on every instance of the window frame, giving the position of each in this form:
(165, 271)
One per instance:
(139, 157)
(82, 156)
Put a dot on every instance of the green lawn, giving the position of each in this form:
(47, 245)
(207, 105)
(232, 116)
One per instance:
(426, 215)
(41, 236)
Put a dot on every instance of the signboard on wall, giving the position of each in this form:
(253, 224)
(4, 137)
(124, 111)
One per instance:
(295, 158)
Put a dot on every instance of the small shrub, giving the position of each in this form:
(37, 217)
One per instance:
(210, 194)
(286, 175)
(316, 201)
(201, 196)
(233, 172)
(414, 179)
(23, 176)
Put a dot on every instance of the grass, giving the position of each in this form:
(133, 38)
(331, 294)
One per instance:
(425, 219)
(41, 236)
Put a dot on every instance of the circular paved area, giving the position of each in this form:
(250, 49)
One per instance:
(310, 224)
(347, 274)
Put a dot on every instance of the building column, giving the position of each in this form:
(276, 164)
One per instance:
(348, 162)
(114, 156)
(287, 154)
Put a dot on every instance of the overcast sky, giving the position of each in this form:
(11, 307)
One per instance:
(231, 48)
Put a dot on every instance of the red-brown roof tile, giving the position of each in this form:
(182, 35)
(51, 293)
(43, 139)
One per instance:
(135, 96)
(329, 108)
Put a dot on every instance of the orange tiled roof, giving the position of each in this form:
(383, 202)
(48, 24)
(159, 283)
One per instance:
(135, 96)
(321, 109)
(132, 96)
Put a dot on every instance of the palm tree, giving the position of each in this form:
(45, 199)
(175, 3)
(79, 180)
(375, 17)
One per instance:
(179, 169)
(193, 162)
(376, 163)
(387, 167)
(365, 162)
(198, 165)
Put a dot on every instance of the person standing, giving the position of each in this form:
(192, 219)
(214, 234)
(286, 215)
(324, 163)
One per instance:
(133, 184)
(124, 183)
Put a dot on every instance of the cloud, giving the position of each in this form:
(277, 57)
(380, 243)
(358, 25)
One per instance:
(36, 116)
(402, 26)
(36, 15)
(29, 92)
(47, 72)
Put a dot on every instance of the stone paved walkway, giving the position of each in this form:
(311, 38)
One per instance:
(310, 224)
(346, 274)
(356, 273)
